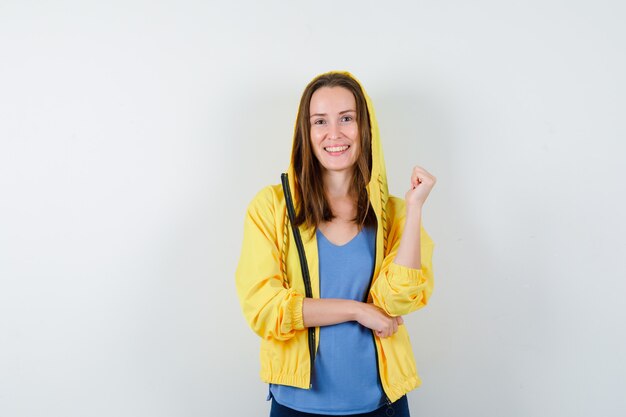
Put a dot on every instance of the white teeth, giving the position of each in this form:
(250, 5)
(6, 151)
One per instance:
(337, 148)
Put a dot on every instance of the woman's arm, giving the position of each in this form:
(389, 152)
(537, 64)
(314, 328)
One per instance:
(271, 310)
(422, 182)
(318, 312)
(410, 243)
(405, 281)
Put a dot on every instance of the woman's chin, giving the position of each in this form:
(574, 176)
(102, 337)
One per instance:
(338, 167)
(341, 163)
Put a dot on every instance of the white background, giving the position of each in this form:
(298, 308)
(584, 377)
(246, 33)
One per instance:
(134, 133)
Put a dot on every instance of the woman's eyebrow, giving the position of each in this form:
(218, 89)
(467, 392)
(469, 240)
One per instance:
(324, 114)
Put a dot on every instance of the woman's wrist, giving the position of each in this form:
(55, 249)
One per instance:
(356, 310)
(413, 210)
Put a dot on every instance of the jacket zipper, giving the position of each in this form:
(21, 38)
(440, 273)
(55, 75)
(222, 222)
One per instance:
(303, 263)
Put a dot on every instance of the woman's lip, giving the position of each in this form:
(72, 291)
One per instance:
(336, 146)
(336, 153)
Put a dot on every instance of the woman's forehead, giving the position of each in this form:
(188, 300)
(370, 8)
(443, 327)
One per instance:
(332, 100)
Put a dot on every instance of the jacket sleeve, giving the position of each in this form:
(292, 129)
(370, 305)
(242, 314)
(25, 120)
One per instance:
(271, 309)
(400, 290)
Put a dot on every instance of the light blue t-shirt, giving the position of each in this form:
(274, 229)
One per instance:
(345, 376)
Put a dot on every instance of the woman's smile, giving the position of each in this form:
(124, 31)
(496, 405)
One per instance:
(337, 150)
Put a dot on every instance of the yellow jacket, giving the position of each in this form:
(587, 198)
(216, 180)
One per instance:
(271, 288)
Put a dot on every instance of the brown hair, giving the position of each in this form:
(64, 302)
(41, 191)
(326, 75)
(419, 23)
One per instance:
(314, 207)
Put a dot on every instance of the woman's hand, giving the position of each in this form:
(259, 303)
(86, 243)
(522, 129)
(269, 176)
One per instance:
(376, 319)
(422, 182)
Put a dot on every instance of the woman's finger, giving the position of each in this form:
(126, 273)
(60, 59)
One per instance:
(419, 174)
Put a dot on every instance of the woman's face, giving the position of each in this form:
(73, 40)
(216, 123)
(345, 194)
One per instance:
(334, 130)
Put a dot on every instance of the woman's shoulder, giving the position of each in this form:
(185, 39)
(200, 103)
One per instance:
(395, 206)
(268, 197)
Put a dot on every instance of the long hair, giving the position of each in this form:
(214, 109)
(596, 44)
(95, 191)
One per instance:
(309, 187)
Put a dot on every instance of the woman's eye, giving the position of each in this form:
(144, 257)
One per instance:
(319, 122)
(346, 119)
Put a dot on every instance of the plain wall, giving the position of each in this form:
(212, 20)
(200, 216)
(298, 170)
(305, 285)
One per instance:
(134, 133)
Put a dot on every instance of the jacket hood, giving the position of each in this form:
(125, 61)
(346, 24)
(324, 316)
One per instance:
(377, 187)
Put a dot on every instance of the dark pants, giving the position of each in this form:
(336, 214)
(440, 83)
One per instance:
(398, 409)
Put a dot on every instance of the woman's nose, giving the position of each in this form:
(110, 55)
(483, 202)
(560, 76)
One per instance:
(333, 130)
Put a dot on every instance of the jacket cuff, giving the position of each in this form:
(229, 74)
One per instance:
(401, 272)
(293, 319)
(298, 318)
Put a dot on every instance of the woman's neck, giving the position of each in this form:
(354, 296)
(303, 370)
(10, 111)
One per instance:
(337, 184)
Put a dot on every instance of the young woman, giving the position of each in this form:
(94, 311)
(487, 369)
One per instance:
(330, 263)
